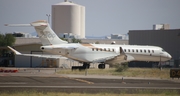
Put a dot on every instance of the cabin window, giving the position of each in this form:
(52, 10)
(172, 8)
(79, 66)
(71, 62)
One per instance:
(132, 50)
(109, 49)
(149, 51)
(92, 49)
(101, 49)
(144, 51)
(96, 49)
(129, 50)
(137, 50)
(113, 50)
(141, 51)
(152, 51)
(124, 50)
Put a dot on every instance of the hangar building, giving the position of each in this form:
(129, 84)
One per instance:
(169, 39)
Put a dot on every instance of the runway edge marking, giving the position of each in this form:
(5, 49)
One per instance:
(80, 80)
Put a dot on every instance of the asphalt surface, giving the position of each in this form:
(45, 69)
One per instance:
(46, 80)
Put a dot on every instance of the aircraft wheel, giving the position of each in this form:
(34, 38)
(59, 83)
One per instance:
(101, 66)
(86, 65)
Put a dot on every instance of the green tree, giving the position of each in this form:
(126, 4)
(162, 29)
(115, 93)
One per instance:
(121, 67)
(64, 39)
(6, 40)
(74, 40)
(97, 42)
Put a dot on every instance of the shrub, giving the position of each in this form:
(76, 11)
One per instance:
(121, 67)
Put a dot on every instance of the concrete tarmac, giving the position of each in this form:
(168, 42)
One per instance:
(47, 80)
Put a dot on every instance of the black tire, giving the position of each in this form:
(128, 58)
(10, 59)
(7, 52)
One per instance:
(101, 66)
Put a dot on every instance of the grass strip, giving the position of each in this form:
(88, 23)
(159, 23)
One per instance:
(130, 72)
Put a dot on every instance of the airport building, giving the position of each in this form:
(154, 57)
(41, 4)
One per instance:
(161, 36)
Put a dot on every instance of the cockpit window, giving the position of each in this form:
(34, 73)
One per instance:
(163, 50)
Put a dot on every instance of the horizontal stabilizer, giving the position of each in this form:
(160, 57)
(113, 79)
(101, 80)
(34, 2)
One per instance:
(18, 25)
(36, 23)
(44, 31)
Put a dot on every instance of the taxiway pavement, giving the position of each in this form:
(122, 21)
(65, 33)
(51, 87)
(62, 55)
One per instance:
(48, 80)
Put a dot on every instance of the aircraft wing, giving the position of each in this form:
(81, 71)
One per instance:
(103, 59)
(116, 59)
(37, 55)
(58, 47)
(122, 57)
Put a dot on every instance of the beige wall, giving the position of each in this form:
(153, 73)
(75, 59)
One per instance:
(105, 41)
(36, 41)
(22, 41)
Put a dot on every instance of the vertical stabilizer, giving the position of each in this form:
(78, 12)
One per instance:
(46, 34)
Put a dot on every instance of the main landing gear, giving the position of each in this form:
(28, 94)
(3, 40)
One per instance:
(85, 66)
(101, 66)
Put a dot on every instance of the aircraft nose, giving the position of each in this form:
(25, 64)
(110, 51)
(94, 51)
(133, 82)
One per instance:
(169, 56)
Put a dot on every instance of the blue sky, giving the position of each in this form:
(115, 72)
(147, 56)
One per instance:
(103, 17)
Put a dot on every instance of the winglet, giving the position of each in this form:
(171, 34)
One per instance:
(121, 50)
(18, 25)
(16, 52)
(122, 53)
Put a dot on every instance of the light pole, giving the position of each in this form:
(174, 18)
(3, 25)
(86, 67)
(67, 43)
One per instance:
(48, 15)
(160, 62)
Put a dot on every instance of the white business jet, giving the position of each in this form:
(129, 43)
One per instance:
(91, 53)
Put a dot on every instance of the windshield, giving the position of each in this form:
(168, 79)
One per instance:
(163, 50)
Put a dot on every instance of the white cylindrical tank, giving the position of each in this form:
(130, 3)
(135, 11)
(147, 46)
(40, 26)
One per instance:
(68, 17)
(82, 22)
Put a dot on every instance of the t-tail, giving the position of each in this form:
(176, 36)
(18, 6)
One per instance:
(45, 33)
